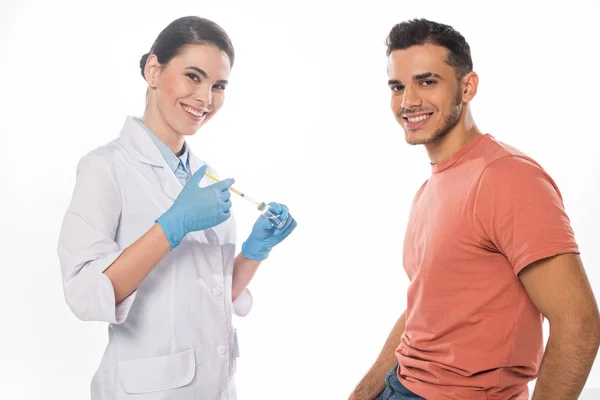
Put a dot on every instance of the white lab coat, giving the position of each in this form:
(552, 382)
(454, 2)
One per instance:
(171, 339)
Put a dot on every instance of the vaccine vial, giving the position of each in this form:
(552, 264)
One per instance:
(275, 220)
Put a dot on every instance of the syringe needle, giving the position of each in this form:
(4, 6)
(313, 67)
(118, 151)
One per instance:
(262, 207)
(250, 199)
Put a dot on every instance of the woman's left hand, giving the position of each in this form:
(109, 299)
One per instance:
(265, 236)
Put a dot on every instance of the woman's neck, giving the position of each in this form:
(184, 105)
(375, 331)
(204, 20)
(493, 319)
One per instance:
(163, 131)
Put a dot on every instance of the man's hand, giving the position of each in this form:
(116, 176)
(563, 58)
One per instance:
(374, 381)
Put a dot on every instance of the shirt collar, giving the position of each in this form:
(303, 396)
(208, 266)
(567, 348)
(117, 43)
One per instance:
(171, 159)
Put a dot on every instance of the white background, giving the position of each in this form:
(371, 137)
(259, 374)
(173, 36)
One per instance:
(307, 123)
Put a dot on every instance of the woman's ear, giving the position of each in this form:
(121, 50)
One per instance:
(152, 70)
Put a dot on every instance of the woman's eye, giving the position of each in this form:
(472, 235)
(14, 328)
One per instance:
(193, 77)
(219, 87)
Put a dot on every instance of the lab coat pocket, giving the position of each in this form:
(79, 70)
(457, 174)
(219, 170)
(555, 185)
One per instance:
(155, 374)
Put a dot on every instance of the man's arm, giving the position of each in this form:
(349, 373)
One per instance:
(374, 382)
(559, 288)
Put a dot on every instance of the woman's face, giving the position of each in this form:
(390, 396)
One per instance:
(189, 89)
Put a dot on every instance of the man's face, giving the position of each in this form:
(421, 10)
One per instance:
(426, 96)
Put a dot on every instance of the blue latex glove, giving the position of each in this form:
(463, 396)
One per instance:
(265, 236)
(196, 208)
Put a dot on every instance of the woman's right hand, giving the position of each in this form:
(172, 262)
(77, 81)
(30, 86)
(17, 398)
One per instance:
(196, 208)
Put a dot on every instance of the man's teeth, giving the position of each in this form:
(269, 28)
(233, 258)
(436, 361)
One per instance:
(419, 118)
(194, 112)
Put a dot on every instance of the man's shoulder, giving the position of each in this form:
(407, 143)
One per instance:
(504, 158)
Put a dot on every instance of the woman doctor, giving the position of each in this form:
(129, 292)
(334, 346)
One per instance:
(147, 243)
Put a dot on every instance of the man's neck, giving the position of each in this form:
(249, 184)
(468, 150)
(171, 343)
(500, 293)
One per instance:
(444, 148)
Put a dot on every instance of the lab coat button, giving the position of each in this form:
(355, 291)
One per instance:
(222, 349)
(217, 291)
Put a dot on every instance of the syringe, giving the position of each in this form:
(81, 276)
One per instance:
(262, 206)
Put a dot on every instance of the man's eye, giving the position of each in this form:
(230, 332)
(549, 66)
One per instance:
(397, 88)
(428, 83)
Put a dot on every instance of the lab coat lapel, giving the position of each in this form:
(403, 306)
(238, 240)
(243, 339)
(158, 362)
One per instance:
(170, 184)
(152, 164)
(195, 164)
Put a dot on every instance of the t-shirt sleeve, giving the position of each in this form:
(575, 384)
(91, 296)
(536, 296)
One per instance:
(521, 211)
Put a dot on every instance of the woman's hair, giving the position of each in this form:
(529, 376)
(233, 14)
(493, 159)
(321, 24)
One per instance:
(186, 31)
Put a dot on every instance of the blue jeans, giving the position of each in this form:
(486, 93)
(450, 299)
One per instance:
(394, 390)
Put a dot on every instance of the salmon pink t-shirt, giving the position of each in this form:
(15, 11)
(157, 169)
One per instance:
(471, 330)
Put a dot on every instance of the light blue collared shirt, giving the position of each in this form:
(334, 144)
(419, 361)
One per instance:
(179, 165)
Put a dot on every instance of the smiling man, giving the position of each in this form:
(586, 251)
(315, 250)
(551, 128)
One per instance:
(488, 249)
